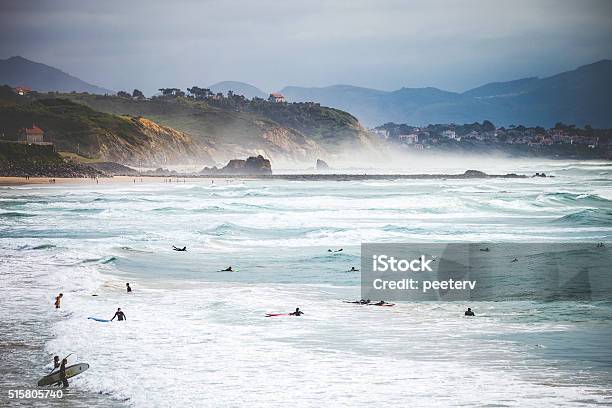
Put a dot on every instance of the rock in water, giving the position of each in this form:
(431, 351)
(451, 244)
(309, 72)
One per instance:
(322, 165)
(252, 165)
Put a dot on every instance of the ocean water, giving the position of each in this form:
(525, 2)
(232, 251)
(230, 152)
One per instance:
(199, 337)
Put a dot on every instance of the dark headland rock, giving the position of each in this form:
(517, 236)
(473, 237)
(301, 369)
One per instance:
(251, 166)
(475, 174)
(322, 165)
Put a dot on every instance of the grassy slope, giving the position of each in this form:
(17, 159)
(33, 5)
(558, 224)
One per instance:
(74, 127)
(298, 130)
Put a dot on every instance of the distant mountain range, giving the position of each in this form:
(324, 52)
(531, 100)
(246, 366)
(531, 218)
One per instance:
(239, 88)
(582, 96)
(18, 71)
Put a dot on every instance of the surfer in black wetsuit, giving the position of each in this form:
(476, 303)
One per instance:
(56, 362)
(297, 312)
(340, 250)
(119, 315)
(62, 373)
(183, 249)
(485, 249)
(128, 288)
(353, 269)
(514, 260)
(381, 303)
(228, 269)
(469, 312)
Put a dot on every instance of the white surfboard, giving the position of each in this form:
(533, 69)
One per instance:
(71, 371)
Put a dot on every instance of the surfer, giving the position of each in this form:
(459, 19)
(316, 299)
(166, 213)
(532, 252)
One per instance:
(340, 250)
(228, 269)
(62, 373)
(297, 312)
(514, 260)
(353, 269)
(128, 288)
(381, 303)
(179, 249)
(56, 362)
(469, 312)
(119, 315)
(58, 300)
(485, 249)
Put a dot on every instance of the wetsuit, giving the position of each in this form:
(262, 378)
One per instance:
(469, 313)
(58, 300)
(120, 316)
(62, 373)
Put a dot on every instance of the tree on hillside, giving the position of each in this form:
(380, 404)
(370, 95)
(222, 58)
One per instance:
(171, 92)
(199, 93)
(123, 94)
(137, 94)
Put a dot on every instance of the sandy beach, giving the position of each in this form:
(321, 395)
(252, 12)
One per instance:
(19, 181)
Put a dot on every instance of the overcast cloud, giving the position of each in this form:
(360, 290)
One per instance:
(453, 44)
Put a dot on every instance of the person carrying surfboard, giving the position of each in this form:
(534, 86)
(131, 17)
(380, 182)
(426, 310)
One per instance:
(56, 362)
(58, 300)
(119, 315)
(62, 373)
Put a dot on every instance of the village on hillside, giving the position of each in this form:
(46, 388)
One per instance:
(562, 140)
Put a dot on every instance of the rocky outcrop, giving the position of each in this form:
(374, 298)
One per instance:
(321, 165)
(251, 166)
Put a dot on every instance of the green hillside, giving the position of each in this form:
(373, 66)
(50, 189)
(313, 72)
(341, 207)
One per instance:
(76, 128)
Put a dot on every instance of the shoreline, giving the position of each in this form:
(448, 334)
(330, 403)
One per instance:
(18, 181)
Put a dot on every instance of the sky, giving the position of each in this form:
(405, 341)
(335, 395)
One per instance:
(385, 44)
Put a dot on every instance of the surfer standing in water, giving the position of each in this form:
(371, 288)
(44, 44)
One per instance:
(56, 362)
(119, 315)
(297, 312)
(62, 373)
(128, 288)
(469, 312)
(58, 300)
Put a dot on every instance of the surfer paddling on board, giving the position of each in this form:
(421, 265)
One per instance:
(119, 315)
(297, 312)
(228, 269)
(353, 269)
(58, 300)
(183, 249)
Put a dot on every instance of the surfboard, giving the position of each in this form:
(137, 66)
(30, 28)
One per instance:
(97, 319)
(70, 372)
(276, 314)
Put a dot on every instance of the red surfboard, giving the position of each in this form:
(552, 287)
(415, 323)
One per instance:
(276, 314)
